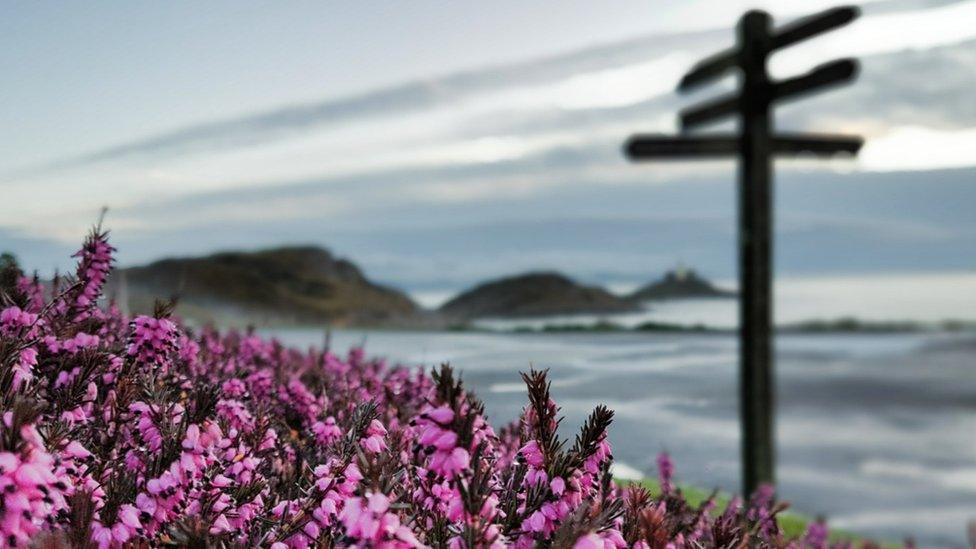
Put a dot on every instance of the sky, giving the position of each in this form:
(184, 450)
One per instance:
(436, 144)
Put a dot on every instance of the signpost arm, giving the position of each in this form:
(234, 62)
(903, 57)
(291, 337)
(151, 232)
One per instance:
(646, 147)
(811, 26)
(710, 69)
(709, 112)
(755, 255)
(816, 144)
(829, 74)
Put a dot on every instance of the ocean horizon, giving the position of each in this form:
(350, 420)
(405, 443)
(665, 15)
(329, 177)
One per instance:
(915, 297)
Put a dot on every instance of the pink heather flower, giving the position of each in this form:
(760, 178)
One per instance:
(558, 486)
(449, 464)
(373, 526)
(30, 491)
(34, 290)
(152, 340)
(80, 341)
(75, 450)
(129, 516)
(326, 431)
(23, 369)
(536, 522)
(220, 525)
(102, 536)
(233, 388)
(95, 262)
(269, 441)
(665, 471)
(531, 453)
(603, 452)
(760, 508)
(153, 428)
(589, 541)
(374, 437)
(442, 415)
(236, 414)
(13, 321)
(816, 535)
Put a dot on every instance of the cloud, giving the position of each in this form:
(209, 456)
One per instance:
(541, 140)
(928, 87)
(919, 148)
(590, 80)
(894, 6)
(572, 72)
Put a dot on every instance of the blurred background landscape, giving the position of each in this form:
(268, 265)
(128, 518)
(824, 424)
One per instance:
(445, 182)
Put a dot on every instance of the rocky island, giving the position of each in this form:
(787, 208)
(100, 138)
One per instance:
(534, 295)
(680, 283)
(290, 285)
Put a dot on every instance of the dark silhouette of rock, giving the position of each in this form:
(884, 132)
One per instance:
(533, 294)
(679, 283)
(298, 285)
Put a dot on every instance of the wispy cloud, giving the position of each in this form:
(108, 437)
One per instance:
(617, 75)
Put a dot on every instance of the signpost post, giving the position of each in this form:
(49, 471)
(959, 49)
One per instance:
(755, 145)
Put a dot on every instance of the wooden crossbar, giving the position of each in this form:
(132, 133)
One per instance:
(820, 145)
(710, 111)
(819, 79)
(646, 147)
(810, 26)
(709, 69)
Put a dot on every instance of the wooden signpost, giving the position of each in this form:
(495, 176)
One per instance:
(755, 144)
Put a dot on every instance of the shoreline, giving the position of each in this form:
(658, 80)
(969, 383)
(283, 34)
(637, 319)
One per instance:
(813, 327)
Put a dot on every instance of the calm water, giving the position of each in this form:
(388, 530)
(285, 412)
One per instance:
(876, 432)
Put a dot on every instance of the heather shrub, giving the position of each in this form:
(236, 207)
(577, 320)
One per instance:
(119, 431)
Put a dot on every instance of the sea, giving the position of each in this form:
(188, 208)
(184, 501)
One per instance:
(876, 432)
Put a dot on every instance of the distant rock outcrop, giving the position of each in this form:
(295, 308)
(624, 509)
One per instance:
(533, 294)
(679, 284)
(299, 285)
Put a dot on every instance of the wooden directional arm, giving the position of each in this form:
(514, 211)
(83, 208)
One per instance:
(710, 111)
(816, 144)
(819, 79)
(709, 69)
(661, 147)
(811, 26)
